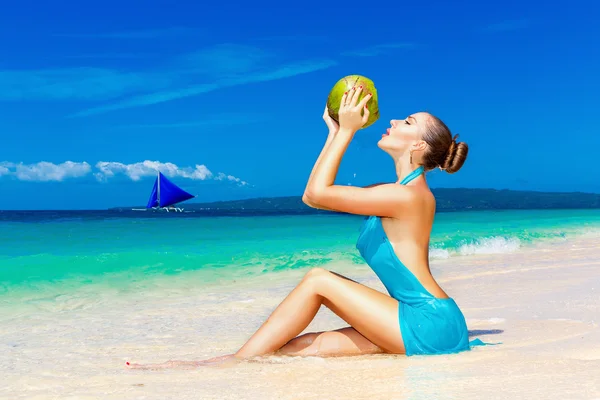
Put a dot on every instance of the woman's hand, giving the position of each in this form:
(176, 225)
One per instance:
(351, 118)
(331, 124)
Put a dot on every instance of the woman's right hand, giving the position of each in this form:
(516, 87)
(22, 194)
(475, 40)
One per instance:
(352, 115)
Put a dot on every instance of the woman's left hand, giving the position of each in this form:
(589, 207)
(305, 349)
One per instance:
(351, 118)
(331, 124)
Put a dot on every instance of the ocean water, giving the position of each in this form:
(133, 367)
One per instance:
(48, 254)
(82, 293)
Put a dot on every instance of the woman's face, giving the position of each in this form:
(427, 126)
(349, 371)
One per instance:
(403, 133)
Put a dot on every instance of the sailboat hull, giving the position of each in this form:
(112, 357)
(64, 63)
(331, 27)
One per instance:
(168, 209)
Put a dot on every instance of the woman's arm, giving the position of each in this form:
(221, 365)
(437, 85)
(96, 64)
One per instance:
(381, 200)
(305, 198)
(333, 128)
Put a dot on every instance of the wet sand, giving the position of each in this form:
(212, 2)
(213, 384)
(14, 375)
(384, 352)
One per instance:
(541, 303)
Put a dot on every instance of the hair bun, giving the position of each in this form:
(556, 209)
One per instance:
(455, 156)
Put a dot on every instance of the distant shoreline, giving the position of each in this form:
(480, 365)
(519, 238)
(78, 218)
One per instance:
(448, 200)
(455, 199)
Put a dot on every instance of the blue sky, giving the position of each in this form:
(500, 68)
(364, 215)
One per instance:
(228, 100)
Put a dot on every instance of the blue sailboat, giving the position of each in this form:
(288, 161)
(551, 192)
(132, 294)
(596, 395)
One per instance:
(165, 194)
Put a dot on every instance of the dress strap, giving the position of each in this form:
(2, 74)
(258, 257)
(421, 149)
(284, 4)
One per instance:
(414, 174)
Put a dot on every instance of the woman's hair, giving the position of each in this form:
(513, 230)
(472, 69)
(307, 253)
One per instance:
(443, 151)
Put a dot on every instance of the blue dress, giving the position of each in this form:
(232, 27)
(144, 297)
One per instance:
(429, 325)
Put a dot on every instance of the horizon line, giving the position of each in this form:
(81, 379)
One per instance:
(112, 208)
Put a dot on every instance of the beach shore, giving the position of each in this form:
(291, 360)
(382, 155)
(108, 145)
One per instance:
(542, 304)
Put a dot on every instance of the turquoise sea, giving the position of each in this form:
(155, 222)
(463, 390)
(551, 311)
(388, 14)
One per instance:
(41, 252)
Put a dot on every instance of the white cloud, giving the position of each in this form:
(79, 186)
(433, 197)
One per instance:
(77, 83)
(44, 171)
(189, 74)
(139, 170)
(148, 168)
(162, 96)
(221, 177)
(4, 170)
(225, 59)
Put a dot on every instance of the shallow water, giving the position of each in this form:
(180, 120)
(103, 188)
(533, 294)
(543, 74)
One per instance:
(83, 297)
(38, 252)
(543, 312)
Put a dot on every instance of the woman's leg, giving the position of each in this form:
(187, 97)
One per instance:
(341, 342)
(371, 313)
(222, 360)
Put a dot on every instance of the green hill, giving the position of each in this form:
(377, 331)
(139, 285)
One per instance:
(447, 200)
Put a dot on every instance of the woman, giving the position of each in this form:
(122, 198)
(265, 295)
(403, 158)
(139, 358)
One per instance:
(418, 317)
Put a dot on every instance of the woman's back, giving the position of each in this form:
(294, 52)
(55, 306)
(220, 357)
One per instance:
(404, 240)
(409, 236)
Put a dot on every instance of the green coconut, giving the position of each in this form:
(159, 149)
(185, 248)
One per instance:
(343, 85)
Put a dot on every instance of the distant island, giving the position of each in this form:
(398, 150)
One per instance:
(447, 200)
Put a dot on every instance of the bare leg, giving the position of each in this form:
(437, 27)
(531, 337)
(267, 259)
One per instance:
(372, 315)
(301, 306)
(368, 311)
(168, 364)
(341, 342)
(222, 360)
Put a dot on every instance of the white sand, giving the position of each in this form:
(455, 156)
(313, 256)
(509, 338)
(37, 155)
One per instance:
(542, 303)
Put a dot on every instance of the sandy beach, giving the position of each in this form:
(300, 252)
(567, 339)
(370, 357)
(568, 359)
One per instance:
(541, 303)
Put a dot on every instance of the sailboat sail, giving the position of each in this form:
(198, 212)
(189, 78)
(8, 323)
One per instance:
(165, 193)
(153, 200)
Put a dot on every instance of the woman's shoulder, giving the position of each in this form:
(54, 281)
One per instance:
(417, 196)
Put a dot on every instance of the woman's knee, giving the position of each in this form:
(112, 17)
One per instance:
(316, 276)
(305, 340)
(300, 344)
(316, 273)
